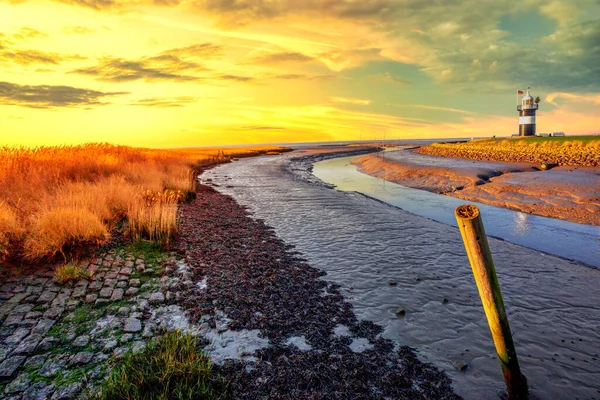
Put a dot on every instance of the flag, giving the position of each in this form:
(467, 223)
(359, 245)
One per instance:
(519, 92)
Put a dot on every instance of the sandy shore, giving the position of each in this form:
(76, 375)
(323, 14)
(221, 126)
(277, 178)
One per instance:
(569, 193)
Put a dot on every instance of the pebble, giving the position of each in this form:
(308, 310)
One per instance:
(460, 365)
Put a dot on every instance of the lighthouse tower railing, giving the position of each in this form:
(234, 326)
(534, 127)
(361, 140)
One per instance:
(527, 107)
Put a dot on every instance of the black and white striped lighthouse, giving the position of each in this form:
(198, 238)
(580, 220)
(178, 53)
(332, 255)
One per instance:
(527, 110)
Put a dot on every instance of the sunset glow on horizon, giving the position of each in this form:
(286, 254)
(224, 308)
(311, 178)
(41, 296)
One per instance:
(169, 73)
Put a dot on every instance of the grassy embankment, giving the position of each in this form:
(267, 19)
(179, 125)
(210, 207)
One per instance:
(54, 200)
(568, 151)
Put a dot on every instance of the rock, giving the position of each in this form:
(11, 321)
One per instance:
(95, 285)
(43, 326)
(23, 308)
(52, 366)
(99, 302)
(28, 345)
(444, 300)
(35, 361)
(460, 365)
(134, 282)
(17, 336)
(157, 298)
(122, 284)
(13, 319)
(10, 365)
(67, 392)
(90, 298)
(124, 310)
(46, 297)
(79, 291)
(106, 292)
(400, 312)
(110, 345)
(81, 341)
(148, 330)
(70, 336)
(17, 298)
(126, 338)
(132, 291)
(39, 391)
(47, 344)
(53, 312)
(117, 295)
(393, 283)
(81, 358)
(132, 325)
(19, 384)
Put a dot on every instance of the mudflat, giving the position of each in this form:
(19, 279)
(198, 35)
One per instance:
(568, 192)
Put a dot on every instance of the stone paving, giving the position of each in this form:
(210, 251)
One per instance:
(59, 341)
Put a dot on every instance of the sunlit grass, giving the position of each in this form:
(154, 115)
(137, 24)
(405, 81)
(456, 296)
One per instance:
(55, 199)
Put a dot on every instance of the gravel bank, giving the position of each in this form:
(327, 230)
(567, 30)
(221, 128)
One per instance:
(317, 347)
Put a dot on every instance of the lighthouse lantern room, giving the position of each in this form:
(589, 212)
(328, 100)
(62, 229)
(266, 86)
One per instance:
(527, 110)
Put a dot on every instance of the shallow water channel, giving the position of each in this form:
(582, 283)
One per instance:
(364, 244)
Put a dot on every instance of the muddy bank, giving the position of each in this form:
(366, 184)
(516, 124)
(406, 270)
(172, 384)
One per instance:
(248, 279)
(569, 193)
(364, 244)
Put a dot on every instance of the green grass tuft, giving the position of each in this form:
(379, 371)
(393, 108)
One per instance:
(71, 272)
(171, 367)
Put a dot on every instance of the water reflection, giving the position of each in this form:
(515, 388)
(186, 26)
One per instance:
(561, 238)
(522, 226)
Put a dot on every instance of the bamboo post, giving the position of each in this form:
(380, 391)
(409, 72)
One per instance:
(480, 257)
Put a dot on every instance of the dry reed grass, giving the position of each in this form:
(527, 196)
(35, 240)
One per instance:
(53, 199)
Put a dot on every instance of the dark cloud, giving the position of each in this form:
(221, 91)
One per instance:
(151, 69)
(201, 50)
(77, 30)
(161, 102)
(96, 4)
(235, 78)
(28, 33)
(49, 96)
(179, 64)
(28, 57)
(568, 60)
(278, 58)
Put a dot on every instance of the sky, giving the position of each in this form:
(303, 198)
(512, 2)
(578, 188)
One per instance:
(177, 73)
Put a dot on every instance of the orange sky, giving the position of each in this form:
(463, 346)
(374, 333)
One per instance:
(169, 73)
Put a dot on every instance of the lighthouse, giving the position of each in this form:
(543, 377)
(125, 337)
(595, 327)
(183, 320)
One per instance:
(527, 110)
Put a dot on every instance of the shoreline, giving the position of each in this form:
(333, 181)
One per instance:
(567, 193)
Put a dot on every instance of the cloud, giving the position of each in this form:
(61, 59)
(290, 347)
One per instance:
(350, 101)
(49, 96)
(282, 57)
(28, 33)
(28, 57)
(235, 78)
(151, 69)
(396, 80)
(201, 50)
(454, 110)
(178, 64)
(301, 77)
(589, 98)
(164, 102)
(77, 30)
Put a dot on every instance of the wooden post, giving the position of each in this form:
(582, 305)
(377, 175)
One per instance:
(480, 257)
